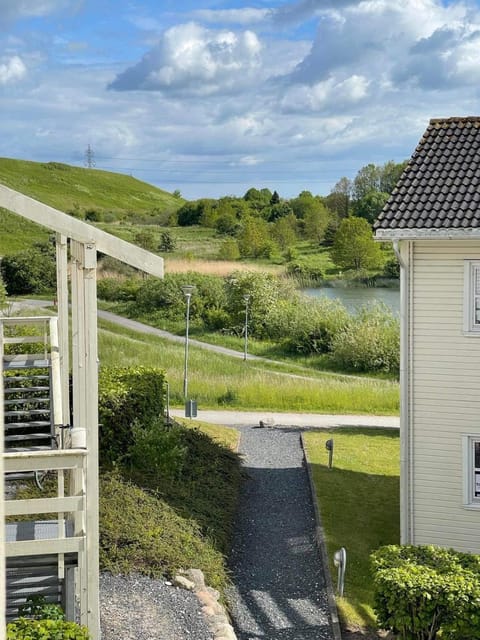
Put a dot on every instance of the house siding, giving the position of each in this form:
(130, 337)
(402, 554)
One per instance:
(445, 388)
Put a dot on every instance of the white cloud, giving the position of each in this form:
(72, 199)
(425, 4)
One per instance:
(325, 95)
(247, 15)
(15, 9)
(12, 70)
(190, 59)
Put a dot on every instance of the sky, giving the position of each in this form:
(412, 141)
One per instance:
(214, 97)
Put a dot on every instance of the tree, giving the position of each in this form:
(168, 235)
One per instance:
(284, 231)
(254, 238)
(370, 205)
(390, 175)
(275, 199)
(354, 246)
(315, 223)
(366, 180)
(167, 242)
(145, 239)
(338, 199)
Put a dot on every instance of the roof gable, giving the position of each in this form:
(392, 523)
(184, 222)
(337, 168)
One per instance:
(440, 187)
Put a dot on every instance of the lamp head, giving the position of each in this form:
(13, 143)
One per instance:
(188, 289)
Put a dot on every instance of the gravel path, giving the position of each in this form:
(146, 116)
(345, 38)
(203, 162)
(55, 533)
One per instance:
(140, 608)
(279, 591)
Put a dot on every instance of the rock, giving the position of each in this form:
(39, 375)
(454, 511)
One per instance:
(184, 583)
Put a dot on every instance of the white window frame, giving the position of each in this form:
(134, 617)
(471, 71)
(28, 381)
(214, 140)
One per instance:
(471, 473)
(471, 298)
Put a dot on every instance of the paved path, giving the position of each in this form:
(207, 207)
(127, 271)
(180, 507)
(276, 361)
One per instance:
(303, 420)
(279, 591)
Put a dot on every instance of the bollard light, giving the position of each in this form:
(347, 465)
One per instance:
(329, 448)
(187, 292)
(340, 561)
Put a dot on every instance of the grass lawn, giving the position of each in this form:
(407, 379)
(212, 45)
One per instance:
(219, 381)
(359, 505)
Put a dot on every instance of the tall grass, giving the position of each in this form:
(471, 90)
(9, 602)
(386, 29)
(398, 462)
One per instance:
(217, 381)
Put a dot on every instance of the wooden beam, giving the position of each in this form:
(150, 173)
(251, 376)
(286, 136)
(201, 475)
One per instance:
(78, 230)
(43, 505)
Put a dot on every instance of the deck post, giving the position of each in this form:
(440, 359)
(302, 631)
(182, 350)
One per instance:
(85, 412)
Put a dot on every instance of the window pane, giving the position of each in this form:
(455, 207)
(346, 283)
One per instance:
(477, 485)
(476, 271)
(477, 455)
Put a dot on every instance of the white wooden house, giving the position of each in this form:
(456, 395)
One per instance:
(27, 549)
(433, 220)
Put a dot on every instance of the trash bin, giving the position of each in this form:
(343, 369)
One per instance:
(191, 409)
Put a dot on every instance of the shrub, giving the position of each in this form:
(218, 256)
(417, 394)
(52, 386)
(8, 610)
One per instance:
(167, 297)
(117, 290)
(30, 271)
(40, 620)
(309, 327)
(127, 396)
(229, 250)
(369, 343)
(27, 629)
(422, 591)
(305, 271)
(3, 293)
(157, 449)
(140, 532)
(167, 242)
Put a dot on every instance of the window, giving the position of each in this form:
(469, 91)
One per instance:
(471, 315)
(471, 460)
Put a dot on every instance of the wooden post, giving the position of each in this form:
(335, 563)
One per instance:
(3, 594)
(63, 330)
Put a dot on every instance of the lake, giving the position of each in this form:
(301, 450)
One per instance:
(353, 297)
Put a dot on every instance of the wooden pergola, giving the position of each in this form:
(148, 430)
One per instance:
(84, 241)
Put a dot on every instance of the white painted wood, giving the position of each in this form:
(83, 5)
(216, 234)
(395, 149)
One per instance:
(63, 323)
(44, 460)
(443, 395)
(44, 505)
(3, 595)
(45, 547)
(81, 231)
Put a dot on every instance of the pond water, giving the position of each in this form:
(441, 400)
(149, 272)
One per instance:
(354, 297)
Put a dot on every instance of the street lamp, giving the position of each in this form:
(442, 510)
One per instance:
(187, 292)
(246, 299)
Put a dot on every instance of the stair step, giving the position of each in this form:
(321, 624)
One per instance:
(36, 376)
(10, 403)
(25, 389)
(31, 412)
(28, 436)
(25, 361)
(36, 424)
(24, 449)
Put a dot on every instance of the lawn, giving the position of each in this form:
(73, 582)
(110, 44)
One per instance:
(218, 381)
(359, 506)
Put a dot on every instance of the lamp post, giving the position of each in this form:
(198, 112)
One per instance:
(187, 292)
(246, 299)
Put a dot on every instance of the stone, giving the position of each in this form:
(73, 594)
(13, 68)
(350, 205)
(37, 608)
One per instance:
(184, 583)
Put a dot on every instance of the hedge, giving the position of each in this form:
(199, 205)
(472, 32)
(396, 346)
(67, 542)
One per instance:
(127, 395)
(421, 592)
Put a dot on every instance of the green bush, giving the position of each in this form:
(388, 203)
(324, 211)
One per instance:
(371, 342)
(27, 629)
(118, 290)
(165, 295)
(30, 271)
(40, 620)
(140, 532)
(308, 327)
(158, 449)
(421, 592)
(305, 271)
(127, 396)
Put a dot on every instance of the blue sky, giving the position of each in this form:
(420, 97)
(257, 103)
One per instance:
(212, 98)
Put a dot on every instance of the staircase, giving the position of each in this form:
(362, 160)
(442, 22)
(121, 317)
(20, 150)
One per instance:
(43, 547)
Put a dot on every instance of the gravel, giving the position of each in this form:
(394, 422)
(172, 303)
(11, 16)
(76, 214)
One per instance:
(279, 591)
(140, 608)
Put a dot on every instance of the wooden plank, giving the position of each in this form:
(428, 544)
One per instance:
(71, 227)
(44, 505)
(44, 547)
(44, 460)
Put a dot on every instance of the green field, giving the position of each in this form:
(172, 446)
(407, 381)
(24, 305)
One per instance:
(359, 505)
(218, 381)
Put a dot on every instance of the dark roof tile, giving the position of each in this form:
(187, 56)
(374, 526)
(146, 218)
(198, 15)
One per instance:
(440, 187)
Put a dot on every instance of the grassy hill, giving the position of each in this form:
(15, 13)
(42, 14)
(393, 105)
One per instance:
(92, 192)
